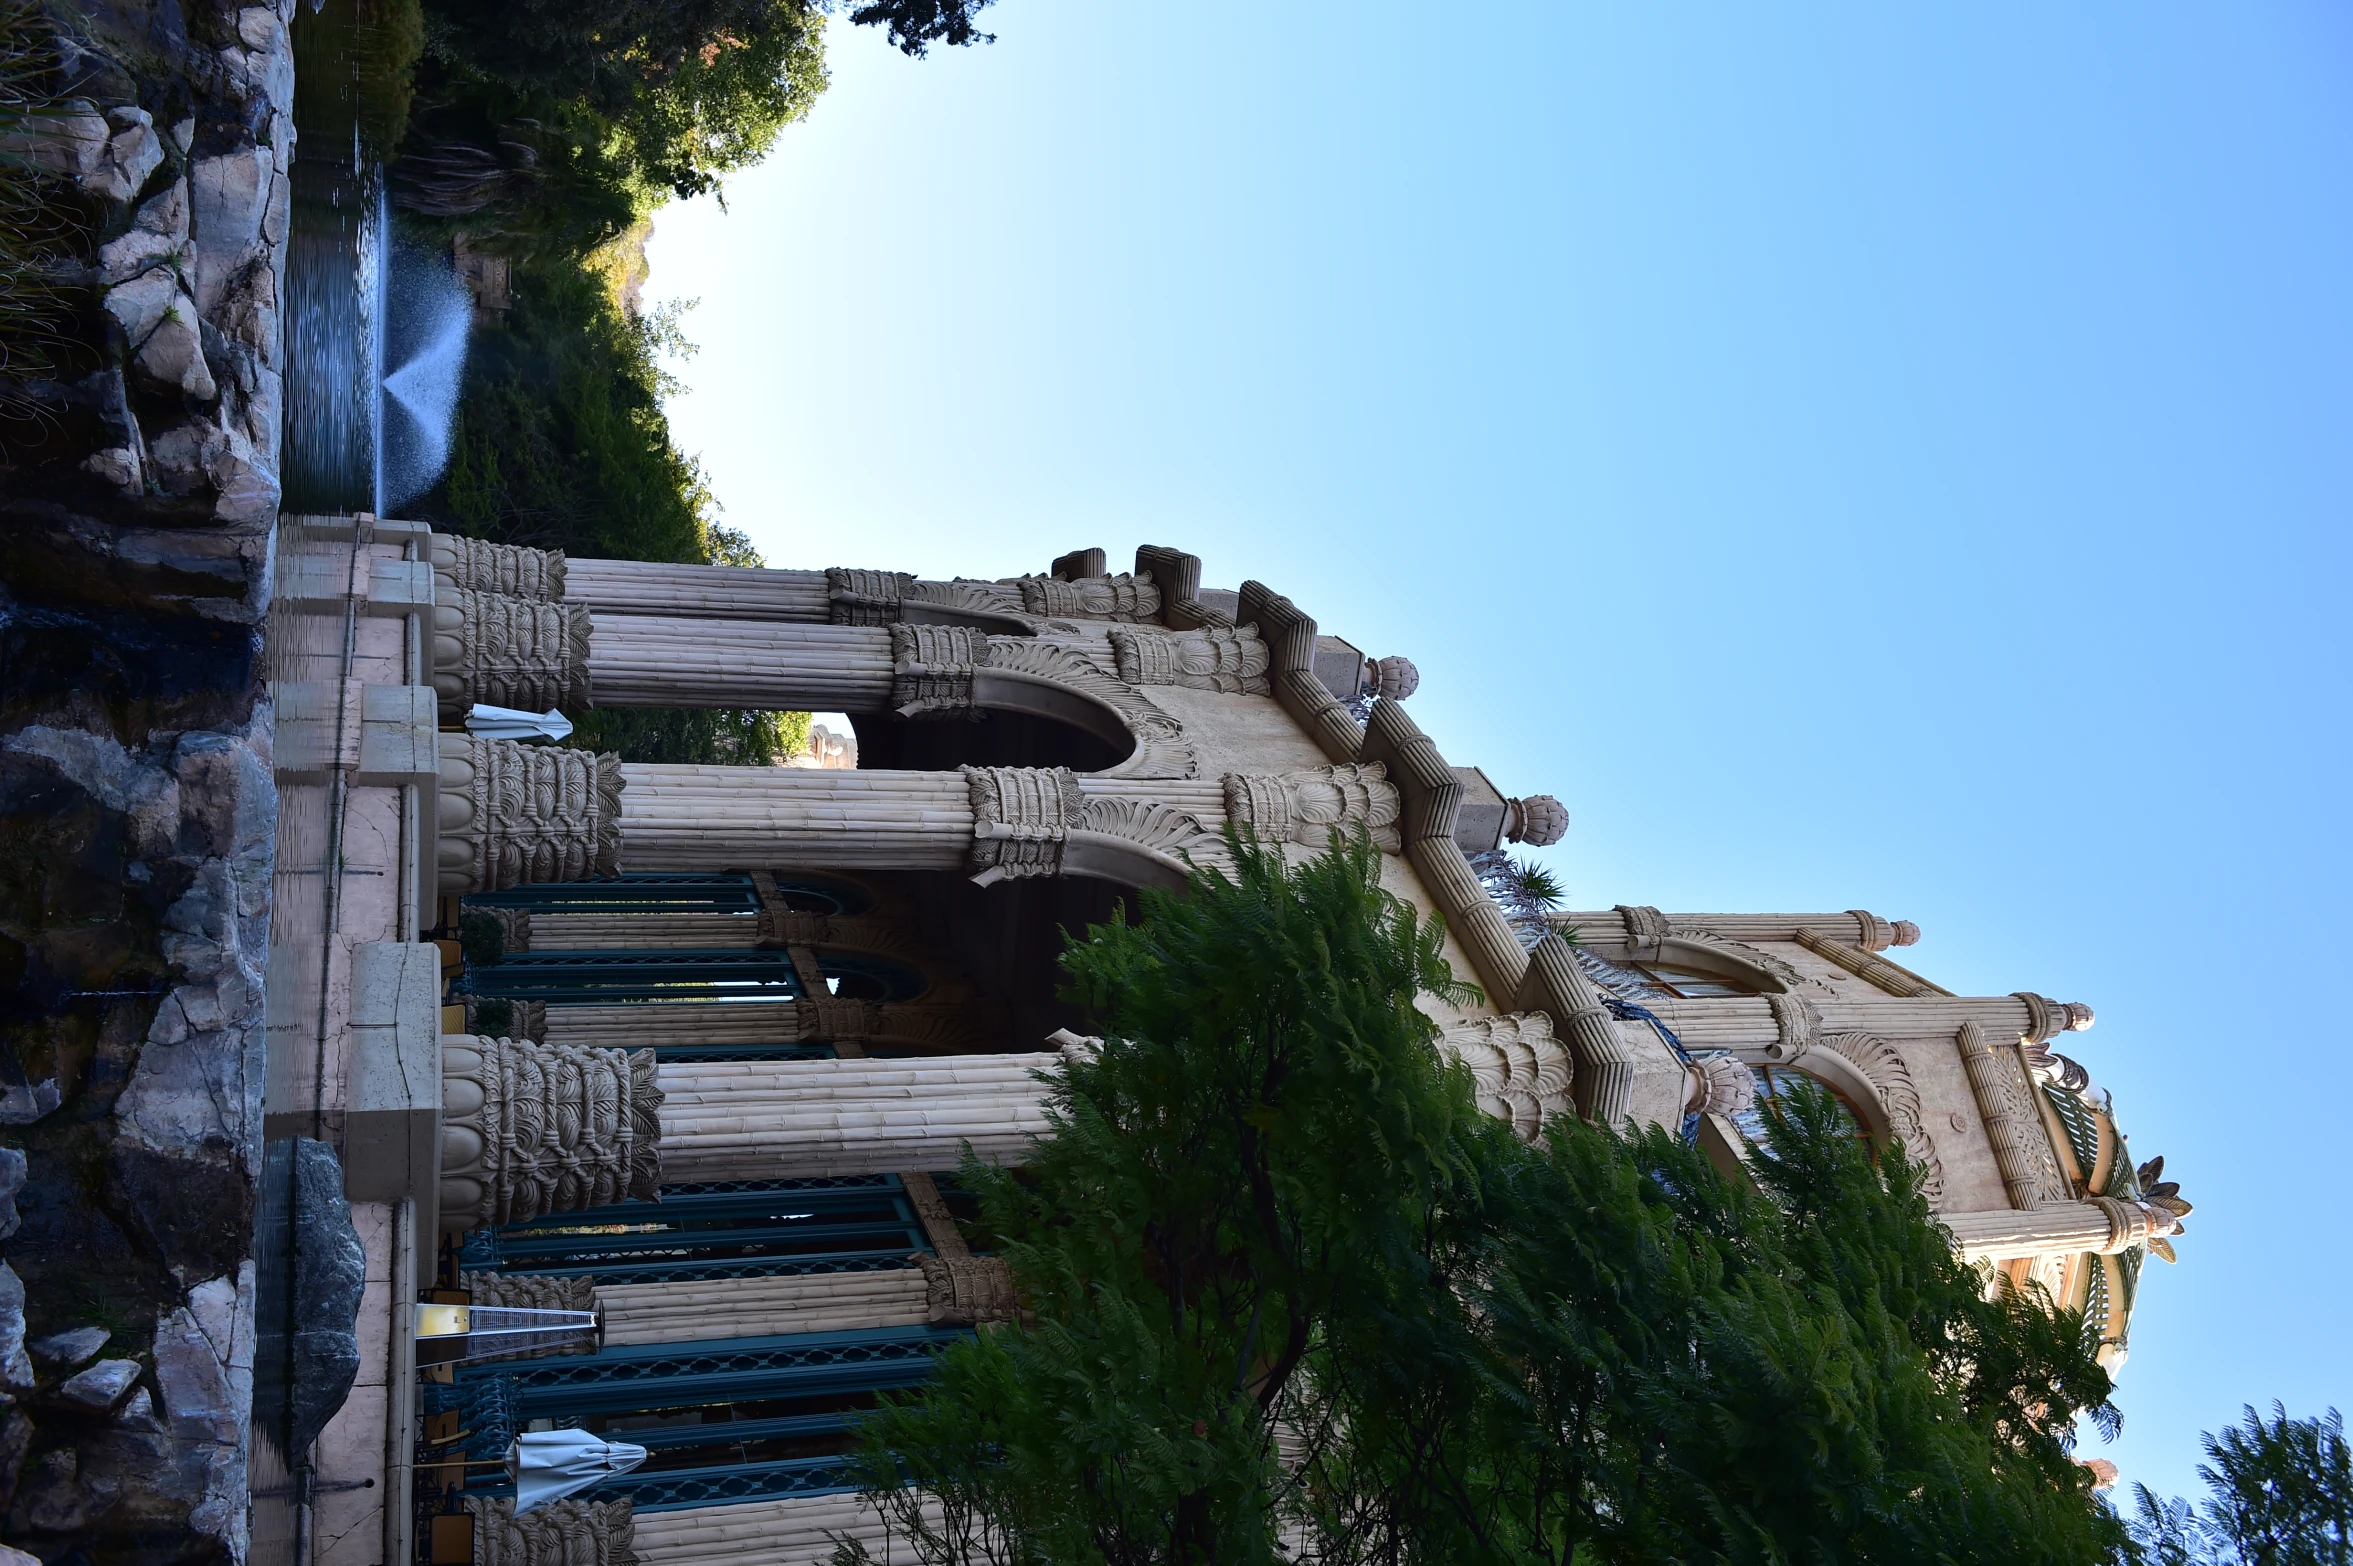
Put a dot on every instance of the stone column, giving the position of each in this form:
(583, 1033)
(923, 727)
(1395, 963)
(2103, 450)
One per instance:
(508, 652)
(1639, 927)
(644, 661)
(2099, 1224)
(510, 814)
(530, 1129)
(695, 818)
(602, 932)
(642, 1313)
(937, 1028)
(791, 1120)
(789, 1531)
(2013, 1120)
(1779, 1027)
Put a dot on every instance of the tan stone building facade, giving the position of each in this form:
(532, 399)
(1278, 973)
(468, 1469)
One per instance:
(699, 1056)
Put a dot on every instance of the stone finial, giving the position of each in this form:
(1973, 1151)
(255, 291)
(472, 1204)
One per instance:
(1538, 820)
(2047, 1018)
(1906, 933)
(2079, 1016)
(1721, 1085)
(1392, 678)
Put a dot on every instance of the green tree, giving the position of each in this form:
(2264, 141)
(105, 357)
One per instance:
(2279, 1493)
(1291, 1289)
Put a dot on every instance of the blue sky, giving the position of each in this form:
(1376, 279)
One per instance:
(1854, 456)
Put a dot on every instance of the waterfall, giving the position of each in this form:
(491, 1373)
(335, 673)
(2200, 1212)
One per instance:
(429, 313)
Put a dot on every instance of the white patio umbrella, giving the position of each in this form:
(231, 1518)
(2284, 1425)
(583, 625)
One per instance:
(488, 722)
(548, 1465)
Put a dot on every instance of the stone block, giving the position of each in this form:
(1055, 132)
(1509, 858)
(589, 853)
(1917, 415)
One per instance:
(400, 586)
(397, 743)
(1479, 823)
(1340, 667)
(307, 740)
(393, 1106)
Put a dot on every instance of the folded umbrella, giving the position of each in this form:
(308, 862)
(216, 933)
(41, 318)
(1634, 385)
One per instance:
(548, 1465)
(488, 722)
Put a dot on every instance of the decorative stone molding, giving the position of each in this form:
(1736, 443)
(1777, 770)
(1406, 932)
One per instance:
(1121, 597)
(509, 652)
(1538, 820)
(529, 1290)
(2102, 1225)
(531, 1129)
(530, 1019)
(514, 928)
(1165, 831)
(1219, 658)
(1160, 748)
(1796, 1025)
(1393, 678)
(967, 1291)
(1646, 929)
(1721, 1085)
(1882, 1065)
(2013, 1123)
(474, 565)
(1021, 817)
(561, 1533)
(510, 814)
(1870, 967)
(932, 667)
(1523, 1075)
(931, 1210)
(1306, 807)
(866, 597)
(1875, 934)
(1741, 952)
(2047, 1018)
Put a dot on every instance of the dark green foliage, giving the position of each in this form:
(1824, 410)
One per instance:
(692, 736)
(1289, 1284)
(480, 938)
(46, 227)
(2279, 1493)
(915, 25)
(494, 1016)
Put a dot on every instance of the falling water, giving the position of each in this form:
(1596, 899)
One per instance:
(426, 320)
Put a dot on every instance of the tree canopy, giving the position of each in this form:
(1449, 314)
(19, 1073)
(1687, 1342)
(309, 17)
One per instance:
(2279, 1492)
(1291, 1291)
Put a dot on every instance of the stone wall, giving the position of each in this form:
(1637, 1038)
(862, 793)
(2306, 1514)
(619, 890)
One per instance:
(137, 809)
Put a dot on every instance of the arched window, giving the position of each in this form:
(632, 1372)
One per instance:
(1686, 983)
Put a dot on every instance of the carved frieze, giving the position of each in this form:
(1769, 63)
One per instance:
(479, 566)
(1522, 1074)
(511, 814)
(1021, 817)
(2013, 1122)
(1796, 1024)
(1218, 658)
(529, 1129)
(529, 1290)
(1305, 807)
(509, 652)
(1120, 597)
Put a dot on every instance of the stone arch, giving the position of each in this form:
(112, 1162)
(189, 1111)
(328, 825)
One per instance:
(1871, 1073)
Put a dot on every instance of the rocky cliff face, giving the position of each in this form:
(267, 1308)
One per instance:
(138, 493)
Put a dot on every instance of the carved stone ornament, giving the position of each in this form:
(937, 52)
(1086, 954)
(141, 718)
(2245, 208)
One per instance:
(530, 1019)
(1232, 660)
(1721, 1085)
(1120, 597)
(478, 566)
(1882, 1065)
(1646, 929)
(509, 652)
(865, 597)
(932, 667)
(1522, 1075)
(1906, 933)
(1538, 820)
(1753, 956)
(1395, 678)
(1161, 750)
(514, 928)
(529, 1290)
(511, 814)
(2047, 1018)
(1021, 817)
(1305, 807)
(1795, 1025)
(569, 1532)
(966, 1291)
(2013, 1122)
(531, 1129)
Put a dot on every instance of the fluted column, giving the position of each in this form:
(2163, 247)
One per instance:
(1641, 927)
(697, 591)
(697, 1311)
(778, 1121)
(1623, 1071)
(2099, 1224)
(692, 818)
(1779, 1027)
(795, 1530)
(510, 814)
(636, 660)
(942, 1028)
